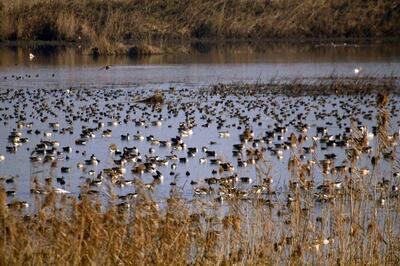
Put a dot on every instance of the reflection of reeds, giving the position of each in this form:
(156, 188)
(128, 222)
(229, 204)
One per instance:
(351, 218)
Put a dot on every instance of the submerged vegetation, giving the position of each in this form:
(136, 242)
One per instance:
(104, 22)
(350, 217)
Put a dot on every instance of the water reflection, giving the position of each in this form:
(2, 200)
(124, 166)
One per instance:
(200, 52)
(194, 64)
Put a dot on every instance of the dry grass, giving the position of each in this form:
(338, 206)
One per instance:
(354, 224)
(329, 85)
(138, 20)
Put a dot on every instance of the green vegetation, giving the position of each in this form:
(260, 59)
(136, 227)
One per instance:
(112, 21)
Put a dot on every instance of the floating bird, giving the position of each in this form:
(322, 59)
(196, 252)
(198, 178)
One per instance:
(106, 67)
(61, 191)
(357, 70)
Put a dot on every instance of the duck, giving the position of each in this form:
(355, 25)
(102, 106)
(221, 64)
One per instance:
(158, 175)
(92, 161)
(106, 67)
(357, 70)
(138, 136)
(61, 191)
(125, 137)
(224, 134)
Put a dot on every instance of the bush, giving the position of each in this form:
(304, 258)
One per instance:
(203, 29)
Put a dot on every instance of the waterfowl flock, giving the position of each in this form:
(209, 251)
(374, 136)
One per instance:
(220, 142)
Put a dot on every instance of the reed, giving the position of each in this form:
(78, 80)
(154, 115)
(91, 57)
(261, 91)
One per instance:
(134, 20)
(351, 219)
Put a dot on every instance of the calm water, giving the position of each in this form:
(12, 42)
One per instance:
(59, 68)
(200, 65)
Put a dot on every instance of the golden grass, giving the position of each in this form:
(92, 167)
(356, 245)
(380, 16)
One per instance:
(138, 20)
(356, 224)
(329, 85)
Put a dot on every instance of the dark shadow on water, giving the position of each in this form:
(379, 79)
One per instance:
(201, 47)
(59, 54)
(48, 50)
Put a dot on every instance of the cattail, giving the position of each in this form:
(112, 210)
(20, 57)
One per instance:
(3, 201)
(293, 140)
(247, 134)
(382, 99)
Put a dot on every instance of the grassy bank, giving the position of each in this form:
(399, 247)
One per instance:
(104, 22)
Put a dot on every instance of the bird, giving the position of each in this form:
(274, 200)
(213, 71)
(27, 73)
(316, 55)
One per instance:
(107, 67)
(357, 70)
(61, 191)
(31, 56)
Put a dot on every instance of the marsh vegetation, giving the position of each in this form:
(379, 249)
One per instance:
(334, 199)
(108, 25)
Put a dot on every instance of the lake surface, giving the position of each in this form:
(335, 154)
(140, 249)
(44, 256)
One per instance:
(201, 64)
(61, 85)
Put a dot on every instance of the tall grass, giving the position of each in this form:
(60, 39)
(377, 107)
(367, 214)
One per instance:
(354, 224)
(143, 20)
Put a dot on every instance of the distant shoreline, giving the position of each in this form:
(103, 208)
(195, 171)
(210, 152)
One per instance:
(109, 25)
(157, 47)
(213, 41)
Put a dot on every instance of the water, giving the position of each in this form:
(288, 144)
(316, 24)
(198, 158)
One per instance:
(99, 95)
(201, 65)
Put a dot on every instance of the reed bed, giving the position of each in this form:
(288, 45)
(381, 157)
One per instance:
(351, 219)
(118, 21)
(329, 85)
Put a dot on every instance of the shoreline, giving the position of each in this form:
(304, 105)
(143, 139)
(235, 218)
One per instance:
(106, 23)
(174, 46)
